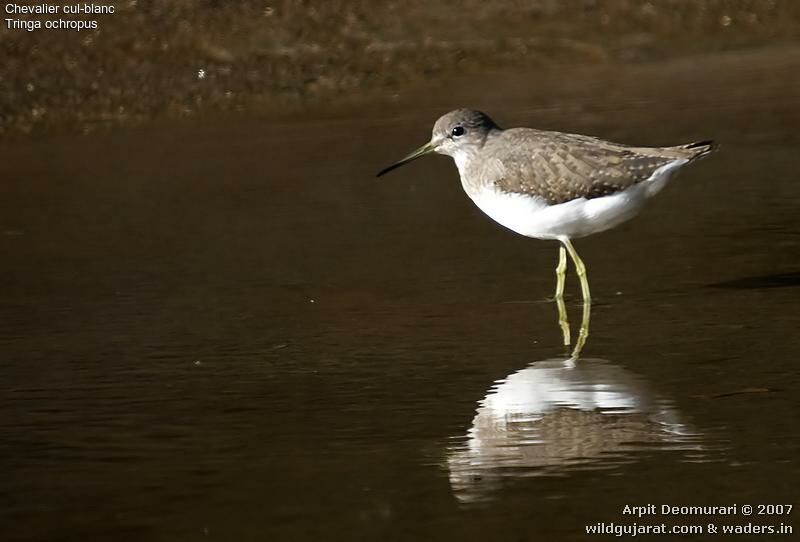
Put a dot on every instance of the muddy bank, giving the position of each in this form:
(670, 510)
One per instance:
(202, 320)
(181, 58)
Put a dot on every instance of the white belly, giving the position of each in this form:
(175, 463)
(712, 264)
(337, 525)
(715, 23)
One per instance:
(533, 217)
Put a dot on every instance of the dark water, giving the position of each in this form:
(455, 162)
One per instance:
(232, 331)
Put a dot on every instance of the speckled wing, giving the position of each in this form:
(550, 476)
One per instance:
(561, 167)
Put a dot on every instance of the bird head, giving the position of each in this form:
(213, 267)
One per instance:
(457, 133)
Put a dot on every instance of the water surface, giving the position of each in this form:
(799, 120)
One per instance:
(232, 331)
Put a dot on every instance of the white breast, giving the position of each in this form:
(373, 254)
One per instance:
(533, 217)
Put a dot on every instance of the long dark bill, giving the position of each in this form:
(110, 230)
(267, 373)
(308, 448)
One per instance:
(427, 148)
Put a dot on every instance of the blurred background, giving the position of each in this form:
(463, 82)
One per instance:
(163, 58)
(216, 324)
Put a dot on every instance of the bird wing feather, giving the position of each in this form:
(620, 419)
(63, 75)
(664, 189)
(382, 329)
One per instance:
(561, 167)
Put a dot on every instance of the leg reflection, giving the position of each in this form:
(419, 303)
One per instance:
(583, 334)
(561, 273)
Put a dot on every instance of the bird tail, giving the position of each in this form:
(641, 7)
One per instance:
(700, 149)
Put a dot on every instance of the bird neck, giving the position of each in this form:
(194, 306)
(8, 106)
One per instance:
(464, 156)
(462, 159)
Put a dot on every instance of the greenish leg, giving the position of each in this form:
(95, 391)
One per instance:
(561, 274)
(561, 271)
(580, 268)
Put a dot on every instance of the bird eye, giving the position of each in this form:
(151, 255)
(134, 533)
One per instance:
(458, 131)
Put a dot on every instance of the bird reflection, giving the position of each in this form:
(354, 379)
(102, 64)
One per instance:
(560, 415)
(563, 323)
